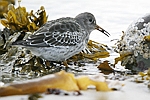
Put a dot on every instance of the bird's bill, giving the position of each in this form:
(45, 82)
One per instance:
(102, 30)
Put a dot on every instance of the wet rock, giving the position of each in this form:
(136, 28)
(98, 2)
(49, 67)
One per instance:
(136, 41)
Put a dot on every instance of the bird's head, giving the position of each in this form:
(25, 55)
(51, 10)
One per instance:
(88, 22)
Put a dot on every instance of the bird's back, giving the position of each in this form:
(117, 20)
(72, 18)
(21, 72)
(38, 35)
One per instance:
(60, 32)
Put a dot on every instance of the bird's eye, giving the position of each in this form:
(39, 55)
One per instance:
(91, 20)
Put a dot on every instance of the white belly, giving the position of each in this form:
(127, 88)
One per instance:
(56, 53)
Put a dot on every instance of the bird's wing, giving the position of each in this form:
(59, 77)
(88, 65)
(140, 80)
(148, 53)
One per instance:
(61, 32)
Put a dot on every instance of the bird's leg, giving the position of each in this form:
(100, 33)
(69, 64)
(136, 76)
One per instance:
(65, 63)
(39, 62)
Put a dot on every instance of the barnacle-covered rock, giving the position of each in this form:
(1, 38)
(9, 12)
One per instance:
(136, 42)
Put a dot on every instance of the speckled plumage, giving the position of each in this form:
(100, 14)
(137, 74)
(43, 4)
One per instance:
(60, 39)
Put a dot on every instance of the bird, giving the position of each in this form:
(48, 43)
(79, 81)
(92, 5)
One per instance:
(60, 39)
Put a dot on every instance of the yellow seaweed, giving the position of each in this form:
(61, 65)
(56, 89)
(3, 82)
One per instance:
(61, 80)
(147, 38)
(18, 19)
(122, 57)
(84, 81)
(4, 6)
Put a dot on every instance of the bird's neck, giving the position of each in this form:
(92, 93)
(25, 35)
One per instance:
(81, 23)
